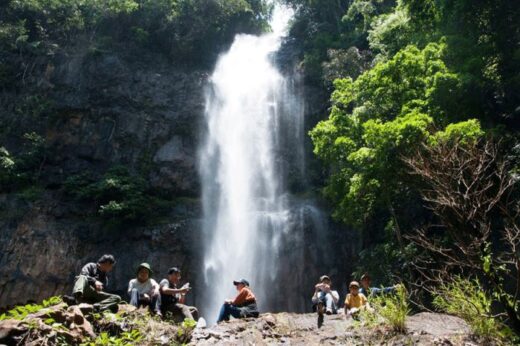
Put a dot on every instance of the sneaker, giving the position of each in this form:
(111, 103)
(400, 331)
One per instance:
(329, 312)
(78, 297)
(69, 300)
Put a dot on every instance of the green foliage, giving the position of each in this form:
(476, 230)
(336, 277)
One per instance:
(467, 299)
(464, 132)
(21, 171)
(7, 166)
(390, 32)
(124, 339)
(20, 312)
(387, 113)
(186, 329)
(119, 195)
(185, 30)
(389, 309)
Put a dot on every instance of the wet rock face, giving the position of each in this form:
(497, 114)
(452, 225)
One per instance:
(42, 253)
(129, 114)
(99, 110)
(102, 110)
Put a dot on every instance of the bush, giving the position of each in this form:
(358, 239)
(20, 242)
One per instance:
(119, 196)
(23, 169)
(467, 299)
(124, 339)
(391, 309)
(20, 312)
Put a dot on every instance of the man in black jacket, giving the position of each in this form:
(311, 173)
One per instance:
(91, 282)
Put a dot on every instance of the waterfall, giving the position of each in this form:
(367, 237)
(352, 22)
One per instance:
(250, 109)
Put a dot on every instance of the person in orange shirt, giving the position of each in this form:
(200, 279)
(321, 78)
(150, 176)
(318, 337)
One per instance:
(244, 304)
(354, 300)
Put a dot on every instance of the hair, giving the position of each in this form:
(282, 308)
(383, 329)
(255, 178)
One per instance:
(107, 259)
(365, 276)
(173, 270)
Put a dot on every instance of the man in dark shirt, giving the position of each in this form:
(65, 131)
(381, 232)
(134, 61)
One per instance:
(173, 297)
(91, 282)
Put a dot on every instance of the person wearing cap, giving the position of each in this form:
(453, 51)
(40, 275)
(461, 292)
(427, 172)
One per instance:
(354, 300)
(325, 297)
(144, 291)
(374, 291)
(244, 304)
(173, 297)
(91, 283)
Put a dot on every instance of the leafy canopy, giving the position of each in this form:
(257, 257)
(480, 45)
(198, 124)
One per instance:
(388, 112)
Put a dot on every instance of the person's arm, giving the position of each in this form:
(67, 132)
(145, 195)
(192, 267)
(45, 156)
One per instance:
(388, 290)
(335, 296)
(347, 304)
(173, 291)
(155, 288)
(240, 298)
(130, 286)
(375, 291)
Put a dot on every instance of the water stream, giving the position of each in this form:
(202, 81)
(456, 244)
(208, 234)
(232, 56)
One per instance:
(254, 119)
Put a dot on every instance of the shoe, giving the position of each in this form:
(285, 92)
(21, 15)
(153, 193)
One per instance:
(78, 297)
(329, 312)
(69, 300)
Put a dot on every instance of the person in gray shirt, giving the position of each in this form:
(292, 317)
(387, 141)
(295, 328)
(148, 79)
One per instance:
(173, 297)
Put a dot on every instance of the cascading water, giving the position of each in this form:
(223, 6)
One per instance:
(246, 210)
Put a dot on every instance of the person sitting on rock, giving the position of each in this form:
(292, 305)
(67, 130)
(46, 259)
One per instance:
(144, 291)
(91, 282)
(173, 297)
(354, 301)
(244, 304)
(374, 291)
(324, 297)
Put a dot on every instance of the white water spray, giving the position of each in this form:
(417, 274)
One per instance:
(246, 211)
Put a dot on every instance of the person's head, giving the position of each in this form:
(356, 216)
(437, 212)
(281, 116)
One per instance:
(174, 275)
(325, 280)
(239, 284)
(106, 263)
(354, 288)
(365, 281)
(144, 271)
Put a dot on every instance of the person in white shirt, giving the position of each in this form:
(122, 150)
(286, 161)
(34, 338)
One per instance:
(324, 297)
(144, 291)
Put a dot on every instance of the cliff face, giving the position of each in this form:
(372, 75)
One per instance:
(96, 110)
(101, 110)
(44, 245)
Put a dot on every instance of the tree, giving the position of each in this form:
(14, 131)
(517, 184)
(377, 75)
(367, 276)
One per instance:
(384, 114)
(473, 194)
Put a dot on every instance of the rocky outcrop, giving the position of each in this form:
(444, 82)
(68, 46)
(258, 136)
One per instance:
(76, 324)
(46, 244)
(301, 329)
